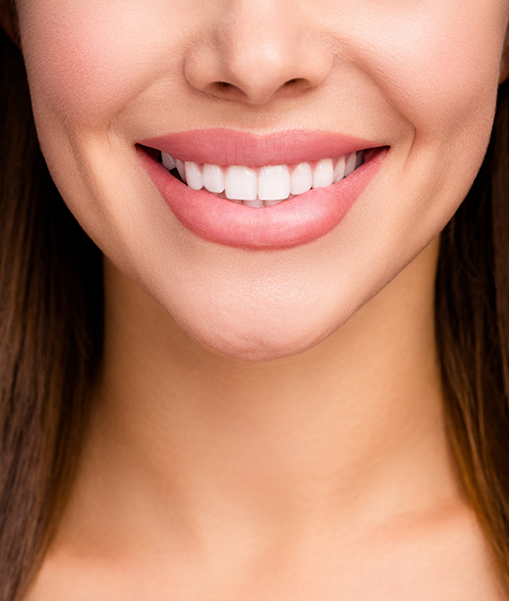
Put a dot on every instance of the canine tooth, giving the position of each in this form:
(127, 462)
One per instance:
(301, 179)
(274, 183)
(240, 183)
(213, 178)
(193, 176)
(323, 174)
(350, 163)
(339, 169)
(181, 169)
(360, 159)
(168, 161)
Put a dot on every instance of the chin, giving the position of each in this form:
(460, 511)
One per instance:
(255, 342)
(257, 351)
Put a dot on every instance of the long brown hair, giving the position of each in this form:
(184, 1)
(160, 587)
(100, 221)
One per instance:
(50, 336)
(472, 333)
(51, 329)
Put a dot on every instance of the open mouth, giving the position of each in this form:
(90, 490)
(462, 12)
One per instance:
(264, 186)
(305, 181)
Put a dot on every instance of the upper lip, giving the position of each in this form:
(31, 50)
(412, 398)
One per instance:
(218, 146)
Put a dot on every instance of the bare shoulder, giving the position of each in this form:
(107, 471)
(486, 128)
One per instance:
(444, 555)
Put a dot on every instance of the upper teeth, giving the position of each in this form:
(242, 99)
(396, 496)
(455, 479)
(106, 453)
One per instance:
(265, 186)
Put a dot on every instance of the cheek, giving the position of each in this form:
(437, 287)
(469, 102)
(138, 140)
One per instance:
(438, 64)
(86, 60)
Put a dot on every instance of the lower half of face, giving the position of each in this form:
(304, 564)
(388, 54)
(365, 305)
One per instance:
(263, 170)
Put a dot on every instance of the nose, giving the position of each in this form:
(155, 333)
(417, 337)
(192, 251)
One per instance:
(257, 51)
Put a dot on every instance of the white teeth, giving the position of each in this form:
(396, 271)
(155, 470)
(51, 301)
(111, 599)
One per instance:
(240, 183)
(274, 183)
(269, 203)
(302, 179)
(181, 169)
(256, 203)
(339, 169)
(324, 174)
(350, 163)
(193, 176)
(267, 186)
(213, 178)
(168, 161)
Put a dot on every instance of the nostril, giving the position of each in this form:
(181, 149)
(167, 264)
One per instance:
(223, 89)
(223, 85)
(230, 91)
(296, 84)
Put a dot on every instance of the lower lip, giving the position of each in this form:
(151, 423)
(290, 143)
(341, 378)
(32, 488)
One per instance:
(294, 222)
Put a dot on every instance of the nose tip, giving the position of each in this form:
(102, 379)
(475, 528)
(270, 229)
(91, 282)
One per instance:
(258, 56)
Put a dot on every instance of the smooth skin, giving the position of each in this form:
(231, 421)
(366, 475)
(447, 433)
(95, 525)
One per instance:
(267, 425)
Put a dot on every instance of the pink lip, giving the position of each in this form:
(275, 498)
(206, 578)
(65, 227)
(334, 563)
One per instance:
(227, 147)
(293, 222)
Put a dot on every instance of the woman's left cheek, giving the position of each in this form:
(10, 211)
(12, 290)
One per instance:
(438, 73)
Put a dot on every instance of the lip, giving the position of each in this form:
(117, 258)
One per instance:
(293, 222)
(220, 146)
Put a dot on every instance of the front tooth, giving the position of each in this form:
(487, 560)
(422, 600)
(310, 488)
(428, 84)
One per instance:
(168, 161)
(339, 170)
(240, 183)
(324, 174)
(274, 183)
(350, 163)
(302, 179)
(213, 178)
(193, 176)
(181, 169)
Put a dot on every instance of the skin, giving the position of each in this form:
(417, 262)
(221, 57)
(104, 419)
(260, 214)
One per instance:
(267, 425)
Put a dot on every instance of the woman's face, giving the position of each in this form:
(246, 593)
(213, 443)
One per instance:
(287, 82)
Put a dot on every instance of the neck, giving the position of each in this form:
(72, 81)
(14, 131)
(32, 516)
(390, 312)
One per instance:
(349, 430)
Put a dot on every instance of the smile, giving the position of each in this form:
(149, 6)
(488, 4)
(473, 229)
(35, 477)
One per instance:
(265, 186)
(212, 179)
